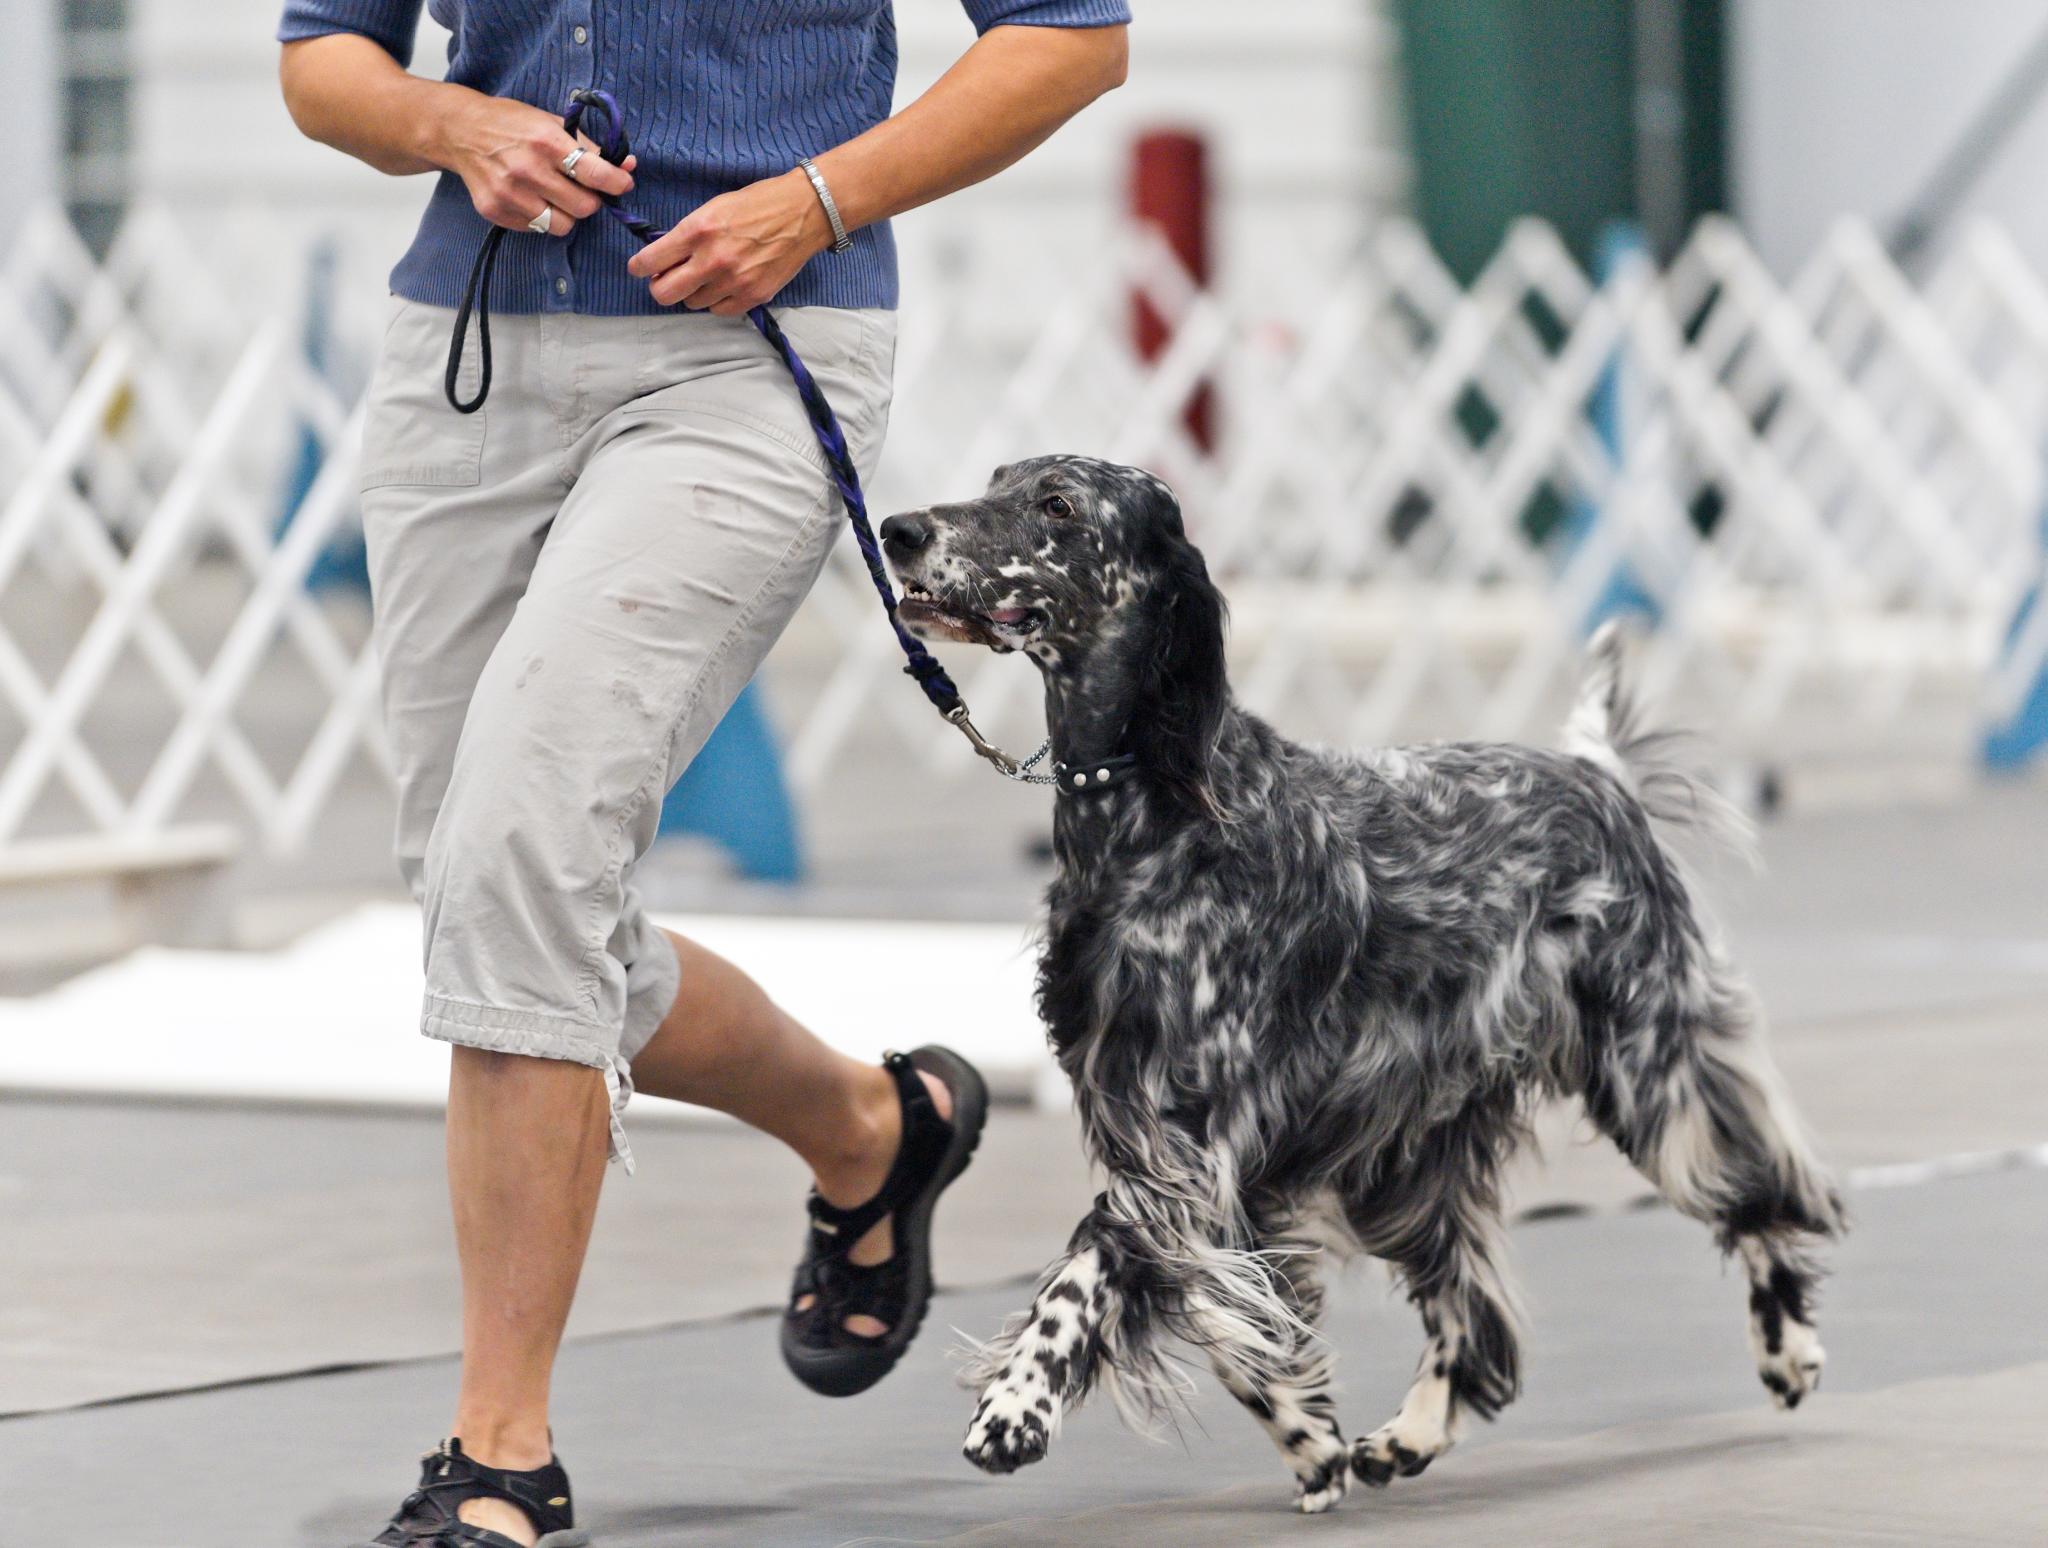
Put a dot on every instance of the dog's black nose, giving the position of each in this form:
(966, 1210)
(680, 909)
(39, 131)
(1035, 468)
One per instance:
(906, 534)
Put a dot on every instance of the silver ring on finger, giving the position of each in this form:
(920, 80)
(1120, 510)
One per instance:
(544, 222)
(569, 162)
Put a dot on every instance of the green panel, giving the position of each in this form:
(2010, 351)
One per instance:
(1578, 120)
(1465, 119)
(1706, 105)
(1526, 107)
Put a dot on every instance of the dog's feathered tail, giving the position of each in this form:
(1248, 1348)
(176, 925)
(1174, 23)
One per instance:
(1607, 726)
(1722, 1136)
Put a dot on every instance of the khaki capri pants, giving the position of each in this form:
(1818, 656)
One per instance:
(570, 587)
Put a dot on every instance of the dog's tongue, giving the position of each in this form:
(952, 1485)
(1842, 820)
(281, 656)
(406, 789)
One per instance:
(1009, 615)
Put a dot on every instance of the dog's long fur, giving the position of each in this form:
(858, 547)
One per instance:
(1306, 998)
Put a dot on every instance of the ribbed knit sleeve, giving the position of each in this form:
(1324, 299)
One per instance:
(1046, 13)
(391, 23)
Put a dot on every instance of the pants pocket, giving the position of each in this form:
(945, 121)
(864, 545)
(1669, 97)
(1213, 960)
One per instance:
(411, 435)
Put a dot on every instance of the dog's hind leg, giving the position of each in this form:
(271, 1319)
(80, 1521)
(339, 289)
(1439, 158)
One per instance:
(1439, 1225)
(1295, 1404)
(1715, 1130)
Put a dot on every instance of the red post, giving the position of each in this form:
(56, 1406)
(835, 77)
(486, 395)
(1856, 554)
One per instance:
(1170, 193)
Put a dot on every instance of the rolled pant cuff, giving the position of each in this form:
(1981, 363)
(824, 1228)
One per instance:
(537, 1035)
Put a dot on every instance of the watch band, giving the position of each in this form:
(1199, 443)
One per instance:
(840, 240)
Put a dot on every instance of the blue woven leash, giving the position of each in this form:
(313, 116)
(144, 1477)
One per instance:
(476, 298)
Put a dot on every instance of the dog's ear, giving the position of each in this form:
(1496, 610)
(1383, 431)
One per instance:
(1185, 689)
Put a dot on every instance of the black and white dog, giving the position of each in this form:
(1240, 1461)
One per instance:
(1306, 999)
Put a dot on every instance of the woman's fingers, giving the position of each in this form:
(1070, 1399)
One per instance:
(518, 210)
(668, 251)
(566, 193)
(558, 223)
(511, 159)
(594, 172)
(673, 286)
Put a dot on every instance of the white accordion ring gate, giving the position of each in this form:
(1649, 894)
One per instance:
(1825, 495)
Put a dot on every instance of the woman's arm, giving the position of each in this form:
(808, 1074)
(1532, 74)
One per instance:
(1007, 94)
(346, 91)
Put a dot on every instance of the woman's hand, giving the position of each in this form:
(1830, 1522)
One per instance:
(732, 253)
(509, 155)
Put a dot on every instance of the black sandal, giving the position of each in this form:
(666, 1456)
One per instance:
(449, 1479)
(816, 1344)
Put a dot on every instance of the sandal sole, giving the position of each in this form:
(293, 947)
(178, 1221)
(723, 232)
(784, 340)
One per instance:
(574, 1537)
(849, 1372)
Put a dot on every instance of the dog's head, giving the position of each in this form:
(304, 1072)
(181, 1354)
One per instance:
(1057, 555)
(1083, 565)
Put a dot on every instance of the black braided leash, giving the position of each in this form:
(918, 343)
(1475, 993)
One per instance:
(476, 300)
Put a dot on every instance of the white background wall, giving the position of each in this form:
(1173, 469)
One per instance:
(1839, 106)
(28, 85)
(1843, 106)
(1305, 129)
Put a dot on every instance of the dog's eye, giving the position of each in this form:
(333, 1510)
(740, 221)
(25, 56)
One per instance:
(1059, 506)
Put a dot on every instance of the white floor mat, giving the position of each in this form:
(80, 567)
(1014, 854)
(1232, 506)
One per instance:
(334, 1017)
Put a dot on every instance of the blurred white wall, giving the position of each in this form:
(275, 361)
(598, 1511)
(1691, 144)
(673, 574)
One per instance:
(28, 85)
(1844, 106)
(1297, 97)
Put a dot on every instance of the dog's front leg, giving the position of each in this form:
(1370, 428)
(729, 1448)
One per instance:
(1044, 1360)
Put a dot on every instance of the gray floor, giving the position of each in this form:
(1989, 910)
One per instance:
(1642, 1423)
(1903, 955)
(118, 1219)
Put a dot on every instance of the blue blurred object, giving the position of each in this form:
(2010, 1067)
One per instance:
(2021, 739)
(733, 793)
(1621, 593)
(343, 562)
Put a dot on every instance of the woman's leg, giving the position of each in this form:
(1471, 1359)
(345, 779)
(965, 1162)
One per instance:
(724, 1044)
(526, 1158)
(455, 521)
(690, 535)
(527, 1144)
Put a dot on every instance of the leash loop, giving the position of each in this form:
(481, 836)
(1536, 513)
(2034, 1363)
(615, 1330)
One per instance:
(476, 296)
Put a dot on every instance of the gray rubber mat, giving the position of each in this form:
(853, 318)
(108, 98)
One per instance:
(1643, 1423)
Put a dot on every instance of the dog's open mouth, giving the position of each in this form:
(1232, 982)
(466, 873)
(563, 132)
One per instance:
(930, 616)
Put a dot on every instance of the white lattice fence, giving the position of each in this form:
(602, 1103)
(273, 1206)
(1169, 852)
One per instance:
(147, 601)
(1827, 491)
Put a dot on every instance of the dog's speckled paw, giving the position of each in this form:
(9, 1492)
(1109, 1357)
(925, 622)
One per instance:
(1324, 1489)
(1794, 1369)
(1010, 1430)
(1378, 1459)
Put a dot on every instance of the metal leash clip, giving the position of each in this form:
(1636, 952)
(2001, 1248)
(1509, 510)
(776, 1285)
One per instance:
(1006, 766)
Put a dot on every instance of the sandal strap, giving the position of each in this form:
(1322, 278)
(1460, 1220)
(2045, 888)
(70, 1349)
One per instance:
(839, 1287)
(450, 1478)
(846, 1290)
(463, 1535)
(873, 1290)
(835, 1230)
(925, 1135)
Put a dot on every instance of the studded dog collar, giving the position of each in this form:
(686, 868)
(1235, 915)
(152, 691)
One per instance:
(1101, 774)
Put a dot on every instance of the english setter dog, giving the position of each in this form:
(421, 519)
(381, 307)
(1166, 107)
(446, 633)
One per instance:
(1305, 1000)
